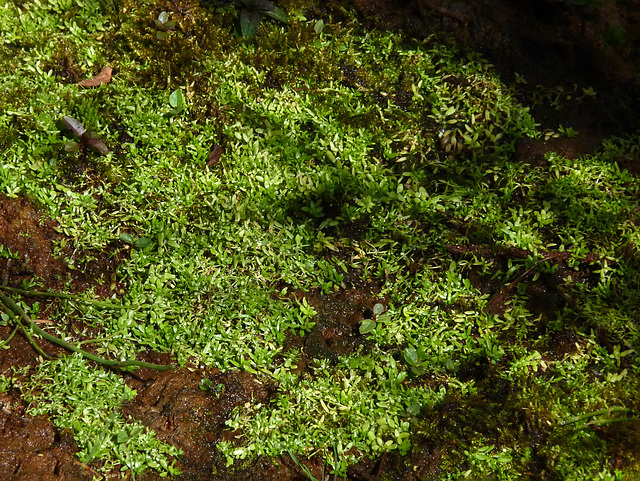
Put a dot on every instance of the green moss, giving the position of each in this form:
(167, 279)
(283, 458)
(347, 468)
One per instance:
(347, 155)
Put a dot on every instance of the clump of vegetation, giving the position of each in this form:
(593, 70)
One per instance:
(251, 13)
(84, 138)
(501, 329)
(164, 25)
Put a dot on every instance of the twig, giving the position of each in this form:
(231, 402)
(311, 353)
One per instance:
(8, 340)
(22, 316)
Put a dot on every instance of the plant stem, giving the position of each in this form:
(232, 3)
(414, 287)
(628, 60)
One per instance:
(60, 295)
(22, 316)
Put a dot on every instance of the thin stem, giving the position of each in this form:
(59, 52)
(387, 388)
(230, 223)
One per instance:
(610, 410)
(105, 362)
(60, 295)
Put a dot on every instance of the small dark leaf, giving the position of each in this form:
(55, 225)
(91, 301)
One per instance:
(214, 156)
(74, 125)
(98, 145)
(277, 14)
(161, 35)
(249, 21)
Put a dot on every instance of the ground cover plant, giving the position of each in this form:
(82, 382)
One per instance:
(328, 236)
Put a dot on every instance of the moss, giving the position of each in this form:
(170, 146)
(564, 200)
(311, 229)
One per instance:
(351, 158)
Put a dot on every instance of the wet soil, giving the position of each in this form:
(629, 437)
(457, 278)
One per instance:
(548, 42)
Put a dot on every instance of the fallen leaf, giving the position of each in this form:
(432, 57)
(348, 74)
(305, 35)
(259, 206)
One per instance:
(103, 77)
(214, 156)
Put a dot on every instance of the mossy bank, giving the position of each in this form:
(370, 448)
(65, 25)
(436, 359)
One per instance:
(365, 249)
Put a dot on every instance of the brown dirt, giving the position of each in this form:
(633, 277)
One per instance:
(33, 238)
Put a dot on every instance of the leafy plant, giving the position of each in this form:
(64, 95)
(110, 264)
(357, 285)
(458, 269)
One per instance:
(252, 11)
(164, 25)
(139, 243)
(368, 325)
(85, 138)
(177, 103)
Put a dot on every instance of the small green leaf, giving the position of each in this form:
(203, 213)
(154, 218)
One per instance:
(319, 26)
(411, 356)
(176, 99)
(249, 21)
(128, 238)
(378, 309)
(142, 243)
(206, 384)
(367, 326)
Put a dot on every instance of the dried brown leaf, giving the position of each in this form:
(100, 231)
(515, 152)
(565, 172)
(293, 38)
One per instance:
(103, 77)
(214, 156)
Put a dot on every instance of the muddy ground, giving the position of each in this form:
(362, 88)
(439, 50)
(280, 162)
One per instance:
(547, 42)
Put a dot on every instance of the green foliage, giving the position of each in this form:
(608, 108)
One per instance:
(86, 400)
(346, 156)
(251, 13)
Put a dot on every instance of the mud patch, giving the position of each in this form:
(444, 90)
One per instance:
(188, 409)
(31, 447)
(31, 240)
(336, 329)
